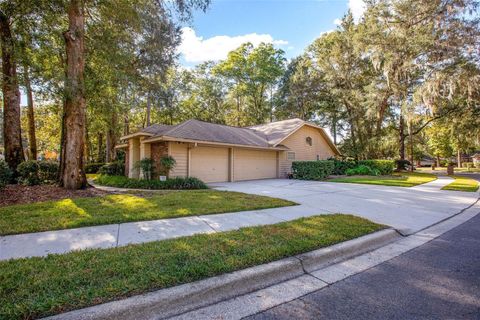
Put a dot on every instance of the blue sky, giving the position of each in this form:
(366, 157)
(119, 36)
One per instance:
(290, 24)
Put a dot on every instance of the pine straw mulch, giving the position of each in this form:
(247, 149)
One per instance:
(18, 194)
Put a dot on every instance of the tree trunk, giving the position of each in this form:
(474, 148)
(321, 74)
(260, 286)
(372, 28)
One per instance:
(72, 174)
(88, 145)
(111, 139)
(12, 132)
(126, 125)
(401, 129)
(410, 134)
(32, 140)
(149, 110)
(438, 161)
(100, 147)
(459, 158)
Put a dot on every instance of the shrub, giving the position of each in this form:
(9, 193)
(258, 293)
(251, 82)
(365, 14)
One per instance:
(48, 171)
(177, 183)
(312, 170)
(33, 172)
(168, 163)
(468, 165)
(5, 174)
(94, 167)
(116, 168)
(363, 170)
(146, 165)
(402, 164)
(477, 164)
(384, 167)
(341, 166)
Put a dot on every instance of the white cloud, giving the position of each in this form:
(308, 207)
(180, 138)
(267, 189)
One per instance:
(197, 49)
(337, 22)
(357, 7)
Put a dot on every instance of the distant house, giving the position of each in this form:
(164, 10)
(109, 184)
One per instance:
(218, 153)
(476, 158)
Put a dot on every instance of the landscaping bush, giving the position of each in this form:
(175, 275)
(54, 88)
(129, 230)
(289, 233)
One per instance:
(384, 167)
(116, 168)
(468, 165)
(168, 163)
(362, 170)
(341, 166)
(312, 170)
(146, 166)
(5, 174)
(177, 183)
(33, 172)
(402, 164)
(94, 167)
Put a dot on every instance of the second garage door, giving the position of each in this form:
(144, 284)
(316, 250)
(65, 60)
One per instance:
(209, 164)
(253, 164)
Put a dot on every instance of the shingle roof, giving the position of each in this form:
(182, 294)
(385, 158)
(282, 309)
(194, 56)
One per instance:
(156, 129)
(275, 132)
(265, 135)
(205, 131)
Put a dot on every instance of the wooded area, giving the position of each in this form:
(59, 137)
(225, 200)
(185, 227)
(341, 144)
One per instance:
(401, 83)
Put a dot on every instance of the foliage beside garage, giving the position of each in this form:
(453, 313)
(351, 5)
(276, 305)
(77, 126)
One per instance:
(312, 170)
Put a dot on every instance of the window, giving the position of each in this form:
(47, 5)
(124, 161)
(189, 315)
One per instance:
(309, 141)
(291, 156)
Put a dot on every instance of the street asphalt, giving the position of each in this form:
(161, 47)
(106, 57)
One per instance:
(439, 280)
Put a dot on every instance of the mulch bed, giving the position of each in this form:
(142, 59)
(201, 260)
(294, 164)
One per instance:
(17, 194)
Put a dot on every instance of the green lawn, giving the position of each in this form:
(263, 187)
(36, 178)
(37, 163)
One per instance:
(428, 169)
(38, 287)
(117, 208)
(404, 179)
(462, 183)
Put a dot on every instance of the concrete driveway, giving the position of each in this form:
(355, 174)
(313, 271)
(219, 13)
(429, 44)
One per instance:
(406, 209)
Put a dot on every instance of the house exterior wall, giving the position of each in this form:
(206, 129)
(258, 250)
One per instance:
(133, 157)
(179, 151)
(158, 150)
(126, 161)
(297, 143)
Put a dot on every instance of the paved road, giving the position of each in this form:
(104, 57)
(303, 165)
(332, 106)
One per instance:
(439, 280)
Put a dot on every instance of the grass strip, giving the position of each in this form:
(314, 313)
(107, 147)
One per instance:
(118, 208)
(462, 183)
(403, 179)
(38, 287)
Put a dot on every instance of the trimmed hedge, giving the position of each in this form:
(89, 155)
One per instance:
(33, 172)
(312, 170)
(177, 183)
(94, 167)
(5, 174)
(116, 168)
(384, 167)
(362, 170)
(341, 166)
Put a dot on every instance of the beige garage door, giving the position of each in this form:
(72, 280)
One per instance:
(253, 164)
(209, 164)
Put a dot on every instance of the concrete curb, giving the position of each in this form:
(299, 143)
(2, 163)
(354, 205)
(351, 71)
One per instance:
(324, 257)
(187, 297)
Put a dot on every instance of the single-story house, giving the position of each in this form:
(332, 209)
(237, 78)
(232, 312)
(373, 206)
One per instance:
(218, 153)
(476, 158)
